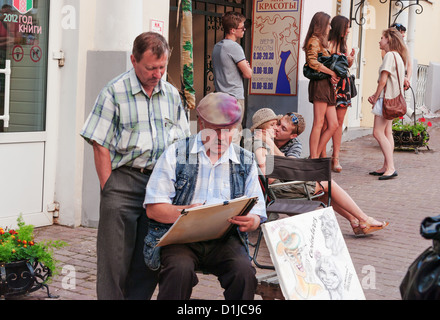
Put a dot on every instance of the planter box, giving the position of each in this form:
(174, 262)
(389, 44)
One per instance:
(406, 139)
(21, 277)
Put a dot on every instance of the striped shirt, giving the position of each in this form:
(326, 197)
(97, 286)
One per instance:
(135, 128)
(213, 185)
(292, 149)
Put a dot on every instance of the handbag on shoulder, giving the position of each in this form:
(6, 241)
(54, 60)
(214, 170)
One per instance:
(353, 89)
(337, 63)
(396, 107)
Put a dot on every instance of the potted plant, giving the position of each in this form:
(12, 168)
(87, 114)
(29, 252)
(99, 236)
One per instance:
(411, 135)
(25, 265)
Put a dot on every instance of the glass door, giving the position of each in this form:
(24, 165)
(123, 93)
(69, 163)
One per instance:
(24, 34)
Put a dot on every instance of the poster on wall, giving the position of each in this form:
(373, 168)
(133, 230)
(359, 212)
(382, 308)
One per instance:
(275, 47)
(311, 258)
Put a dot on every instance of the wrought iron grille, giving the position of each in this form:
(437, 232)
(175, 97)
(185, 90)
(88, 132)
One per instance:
(422, 79)
(357, 6)
(212, 11)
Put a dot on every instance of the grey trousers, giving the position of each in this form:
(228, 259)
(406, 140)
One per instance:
(226, 259)
(123, 225)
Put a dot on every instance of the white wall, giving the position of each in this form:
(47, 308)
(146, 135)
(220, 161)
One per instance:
(85, 29)
(107, 43)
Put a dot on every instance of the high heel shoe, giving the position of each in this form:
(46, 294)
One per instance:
(367, 227)
(336, 167)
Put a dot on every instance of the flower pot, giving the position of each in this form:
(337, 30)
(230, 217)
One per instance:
(406, 139)
(16, 278)
(21, 277)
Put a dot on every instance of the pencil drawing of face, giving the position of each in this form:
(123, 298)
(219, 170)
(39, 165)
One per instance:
(329, 274)
(329, 230)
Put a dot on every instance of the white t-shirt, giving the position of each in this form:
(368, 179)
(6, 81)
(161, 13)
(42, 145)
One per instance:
(393, 88)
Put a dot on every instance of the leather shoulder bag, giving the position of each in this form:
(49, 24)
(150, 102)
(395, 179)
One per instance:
(335, 62)
(396, 107)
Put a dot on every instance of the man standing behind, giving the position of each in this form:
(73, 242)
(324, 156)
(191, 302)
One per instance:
(228, 58)
(135, 118)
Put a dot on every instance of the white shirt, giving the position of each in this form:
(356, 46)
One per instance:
(213, 182)
(393, 88)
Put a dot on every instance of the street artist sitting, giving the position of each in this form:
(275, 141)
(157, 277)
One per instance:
(211, 168)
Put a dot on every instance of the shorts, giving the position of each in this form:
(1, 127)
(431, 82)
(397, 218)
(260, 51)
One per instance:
(322, 91)
(377, 109)
(293, 191)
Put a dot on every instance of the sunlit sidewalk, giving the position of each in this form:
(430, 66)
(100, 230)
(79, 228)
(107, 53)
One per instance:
(381, 260)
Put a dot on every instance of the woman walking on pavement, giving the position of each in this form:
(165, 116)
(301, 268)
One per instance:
(340, 28)
(392, 67)
(321, 92)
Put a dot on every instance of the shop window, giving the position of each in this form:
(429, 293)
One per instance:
(24, 30)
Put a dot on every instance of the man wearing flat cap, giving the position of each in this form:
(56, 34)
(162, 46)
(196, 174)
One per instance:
(207, 168)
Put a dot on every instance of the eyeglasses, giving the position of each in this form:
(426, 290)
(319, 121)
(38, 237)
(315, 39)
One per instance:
(295, 121)
(242, 28)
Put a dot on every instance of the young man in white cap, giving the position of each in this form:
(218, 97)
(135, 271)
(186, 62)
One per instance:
(200, 169)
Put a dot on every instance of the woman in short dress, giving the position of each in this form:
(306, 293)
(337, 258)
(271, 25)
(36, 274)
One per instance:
(338, 44)
(321, 92)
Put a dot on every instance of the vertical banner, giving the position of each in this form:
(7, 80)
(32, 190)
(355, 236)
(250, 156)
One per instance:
(275, 47)
(187, 55)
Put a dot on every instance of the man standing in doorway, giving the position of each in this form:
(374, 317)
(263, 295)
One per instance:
(229, 60)
(135, 118)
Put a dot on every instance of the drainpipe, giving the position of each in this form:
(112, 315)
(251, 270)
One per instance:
(411, 37)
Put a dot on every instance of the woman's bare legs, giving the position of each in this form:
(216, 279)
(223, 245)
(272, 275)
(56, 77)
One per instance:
(337, 138)
(319, 139)
(346, 207)
(383, 133)
(332, 126)
(319, 110)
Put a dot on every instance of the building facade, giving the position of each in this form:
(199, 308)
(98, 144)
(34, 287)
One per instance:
(56, 56)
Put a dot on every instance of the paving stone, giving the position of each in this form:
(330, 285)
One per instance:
(404, 202)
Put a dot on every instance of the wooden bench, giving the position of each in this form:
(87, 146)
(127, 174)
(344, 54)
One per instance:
(268, 287)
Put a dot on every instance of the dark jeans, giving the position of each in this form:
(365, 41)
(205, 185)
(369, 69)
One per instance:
(228, 260)
(123, 225)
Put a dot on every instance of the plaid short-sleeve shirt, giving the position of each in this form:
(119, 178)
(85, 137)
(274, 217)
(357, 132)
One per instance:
(134, 127)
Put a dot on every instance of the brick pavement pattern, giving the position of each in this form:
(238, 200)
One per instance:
(381, 260)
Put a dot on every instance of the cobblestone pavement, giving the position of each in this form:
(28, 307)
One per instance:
(381, 260)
